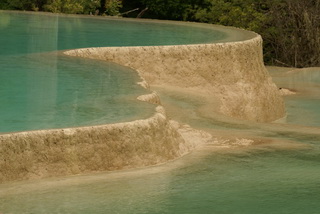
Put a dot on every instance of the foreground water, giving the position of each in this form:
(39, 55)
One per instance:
(277, 172)
(274, 176)
(256, 180)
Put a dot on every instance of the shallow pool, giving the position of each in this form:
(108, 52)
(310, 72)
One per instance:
(41, 88)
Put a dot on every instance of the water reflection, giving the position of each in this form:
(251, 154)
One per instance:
(5, 20)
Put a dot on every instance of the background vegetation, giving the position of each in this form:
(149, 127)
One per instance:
(102, 7)
(290, 28)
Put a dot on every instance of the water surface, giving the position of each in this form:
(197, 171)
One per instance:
(56, 91)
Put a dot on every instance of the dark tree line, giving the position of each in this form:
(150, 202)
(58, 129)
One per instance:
(290, 28)
(107, 7)
(292, 33)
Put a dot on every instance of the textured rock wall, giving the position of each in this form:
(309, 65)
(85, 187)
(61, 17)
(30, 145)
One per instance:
(47, 153)
(231, 72)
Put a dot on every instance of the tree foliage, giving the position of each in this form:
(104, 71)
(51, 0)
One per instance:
(112, 7)
(107, 7)
(292, 33)
(172, 9)
(248, 14)
(63, 6)
(290, 28)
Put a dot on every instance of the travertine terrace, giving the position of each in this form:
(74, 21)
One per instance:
(47, 153)
(232, 73)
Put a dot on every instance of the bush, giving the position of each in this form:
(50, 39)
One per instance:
(112, 7)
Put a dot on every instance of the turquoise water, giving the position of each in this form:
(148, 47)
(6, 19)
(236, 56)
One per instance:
(29, 33)
(53, 91)
(279, 173)
(42, 89)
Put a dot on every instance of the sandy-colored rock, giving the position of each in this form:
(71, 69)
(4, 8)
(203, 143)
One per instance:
(151, 98)
(286, 91)
(231, 72)
(47, 153)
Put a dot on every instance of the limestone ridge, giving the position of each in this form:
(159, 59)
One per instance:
(47, 153)
(69, 151)
(232, 73)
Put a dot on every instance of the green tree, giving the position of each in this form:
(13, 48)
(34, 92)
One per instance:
(248, 14)
(292, 33)
(172, 9)
(63, 6)
(290, 28)
(34, 5)
(112, 7)
(91, 6)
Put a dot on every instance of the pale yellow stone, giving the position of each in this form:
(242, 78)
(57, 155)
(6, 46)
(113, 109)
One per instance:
(231, 72)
